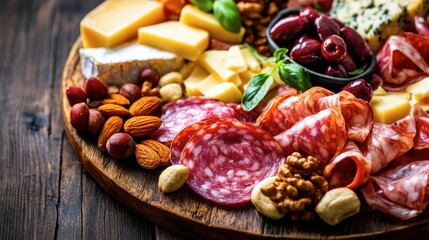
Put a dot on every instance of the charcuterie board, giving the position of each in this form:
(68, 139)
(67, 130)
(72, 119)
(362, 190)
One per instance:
(185, 212)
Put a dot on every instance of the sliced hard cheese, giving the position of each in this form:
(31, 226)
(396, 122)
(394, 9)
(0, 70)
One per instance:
(419, 90)
(208, 83)
(251, 61)
(226, 92)
(187, 42)
(379, 92)
(114, 22)
(404, 95)
(246, 76)
(214, 62)
(192, 16)
(191, 83)
(124, 63)
(389, 108)
(234, 59)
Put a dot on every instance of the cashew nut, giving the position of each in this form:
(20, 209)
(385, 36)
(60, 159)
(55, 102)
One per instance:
(262, 203)
(172, 178)
(171, 77)
(171, 92)
(337, 205)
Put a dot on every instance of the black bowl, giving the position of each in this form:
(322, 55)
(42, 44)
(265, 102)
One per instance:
(319, 79)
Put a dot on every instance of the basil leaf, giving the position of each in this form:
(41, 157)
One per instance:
(278, 54)
(227, 14)
(256, 90)
(358, 70)
(204, 5)
(294, 75)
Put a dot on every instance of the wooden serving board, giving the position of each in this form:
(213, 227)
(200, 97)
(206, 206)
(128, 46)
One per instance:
(185, 212)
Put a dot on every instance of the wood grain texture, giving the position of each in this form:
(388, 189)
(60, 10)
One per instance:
(183, 211)
(45, 192)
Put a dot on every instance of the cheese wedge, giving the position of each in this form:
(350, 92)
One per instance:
(389, 108)
(191, 82)
(226, 92)
(116, 21)
(187, 42)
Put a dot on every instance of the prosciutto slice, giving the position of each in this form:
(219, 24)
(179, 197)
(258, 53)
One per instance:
(349, 169)
(421, 140)
(400, 190)
(403, 60)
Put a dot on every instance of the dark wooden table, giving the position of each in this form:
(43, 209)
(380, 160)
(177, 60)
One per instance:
(45, 193)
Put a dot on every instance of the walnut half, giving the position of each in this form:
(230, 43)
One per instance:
(298, 187)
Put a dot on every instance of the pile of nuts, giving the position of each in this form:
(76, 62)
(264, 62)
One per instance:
(298, 187)
(121, 119)
(255, 17)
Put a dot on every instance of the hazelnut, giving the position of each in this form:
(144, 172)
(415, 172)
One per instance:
(96, 122)
(130, 91)
(75, 95)
(95, 89)
(148, 74)
(79, 115)
(120, 145)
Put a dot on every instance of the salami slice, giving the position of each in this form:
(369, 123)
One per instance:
(388, 141)
(401, 190)
(400, 62)
(321, 135)
(227, 159)
(183, 137)
(421, 140)
(356, 112)
(181, 113)
(349, 169)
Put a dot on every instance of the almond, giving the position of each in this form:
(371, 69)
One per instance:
(145, 106)
(111, 126)
(147, 157)
(113, 110)
(162, 150)
(115, 98)
(142, 126)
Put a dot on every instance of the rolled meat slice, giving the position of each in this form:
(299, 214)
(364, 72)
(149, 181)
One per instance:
(400, 190)
(227, 159)
(388, 141)
(181, 113)
(421, 140)
(321, 135)
(348, 169)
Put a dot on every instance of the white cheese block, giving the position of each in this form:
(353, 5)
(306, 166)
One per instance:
(123, 64)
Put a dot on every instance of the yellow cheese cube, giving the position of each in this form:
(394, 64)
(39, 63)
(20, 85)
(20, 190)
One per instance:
(234, 59)
(214, 62)
(389, 108)
(114, 22)
(419, 90)
(404, 95)
(246, 76)
(187, 42)
(379, 92)
(226, 92)
(192, 16)
(191, 82)
(251, 61)
(236, 80)
(208, 83)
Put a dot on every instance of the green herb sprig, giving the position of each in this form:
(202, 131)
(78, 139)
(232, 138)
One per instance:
(225, 12)
(291, 74)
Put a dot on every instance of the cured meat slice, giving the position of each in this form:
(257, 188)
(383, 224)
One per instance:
(183, 137)
(356, 112)
(421, 140)
(181, 113)
(321, 135)
(348, 169)
(388, 141)
(401, 61)
(227, 159)
(401, 190)
(248, 116)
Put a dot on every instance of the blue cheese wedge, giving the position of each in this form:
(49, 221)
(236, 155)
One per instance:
(377, 20)
(123, 64)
